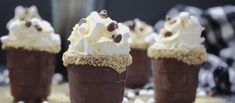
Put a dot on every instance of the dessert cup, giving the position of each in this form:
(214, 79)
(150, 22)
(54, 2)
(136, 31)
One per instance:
(95, 84)
(177, 56)
(96, 59)
(141, 37)
(96, 79)
(30, 74)
(175, 80)
(31, 47)
(138, 72)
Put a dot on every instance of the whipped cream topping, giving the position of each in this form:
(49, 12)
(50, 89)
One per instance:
(22, 13)
(180, 39)
(180, 32)
(142, 34)
(99, 35)
(28, 31)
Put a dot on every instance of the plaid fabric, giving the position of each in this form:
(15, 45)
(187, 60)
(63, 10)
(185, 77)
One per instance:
(220, 25)
(190, 9)
(214, 76)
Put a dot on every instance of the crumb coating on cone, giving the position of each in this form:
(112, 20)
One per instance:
(118, 63)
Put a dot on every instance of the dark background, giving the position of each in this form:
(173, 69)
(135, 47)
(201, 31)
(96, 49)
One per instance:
(148, 10)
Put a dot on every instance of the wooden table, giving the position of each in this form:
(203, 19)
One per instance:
(60, 94)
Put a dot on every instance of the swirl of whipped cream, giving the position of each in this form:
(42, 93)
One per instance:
(99, 35)
(27, 30)
(180, 39)
(142, 34)
(181, 32)
(22, 13)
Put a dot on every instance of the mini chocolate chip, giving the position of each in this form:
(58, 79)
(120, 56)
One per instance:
(172, 21)
(103, 14)
(167, 34)
(28, 24)
(117, 38)
(38, 27)
(131, 24)
(113, 36)
(104, 11)
(168, 18)
(81, 21)
(141, 29)
(112, 26)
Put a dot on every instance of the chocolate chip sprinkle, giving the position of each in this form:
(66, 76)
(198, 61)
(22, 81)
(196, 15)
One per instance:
(168, 18)
(38, 27)
(112, 26)
(81, 21)
(103, 14)
(131, 25)
(28, 24)
(167, 34)
(113, 36)
(117, 38)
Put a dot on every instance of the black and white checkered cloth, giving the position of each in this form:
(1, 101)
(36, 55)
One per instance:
(219, 23)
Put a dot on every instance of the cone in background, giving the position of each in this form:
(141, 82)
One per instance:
(138, 72)
(30, 74)
(31, 47)
(177, 56)
(141, 37)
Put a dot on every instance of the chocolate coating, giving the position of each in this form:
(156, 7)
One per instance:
(174, 81)
(90, 84)
(138, 72)
(30, 74)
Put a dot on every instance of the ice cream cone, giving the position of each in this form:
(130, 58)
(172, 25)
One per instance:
(30, 74)
(177, 56)
(174, 81)
(90, 84)
(96, 60)
(138, 72)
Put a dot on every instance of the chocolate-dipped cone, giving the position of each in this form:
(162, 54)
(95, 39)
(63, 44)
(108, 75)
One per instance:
(95, 84)
(174, 81)
(138, 72)
(30, 74)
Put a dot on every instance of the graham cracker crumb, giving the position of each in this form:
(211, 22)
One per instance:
(190, 56)
(118, 63)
